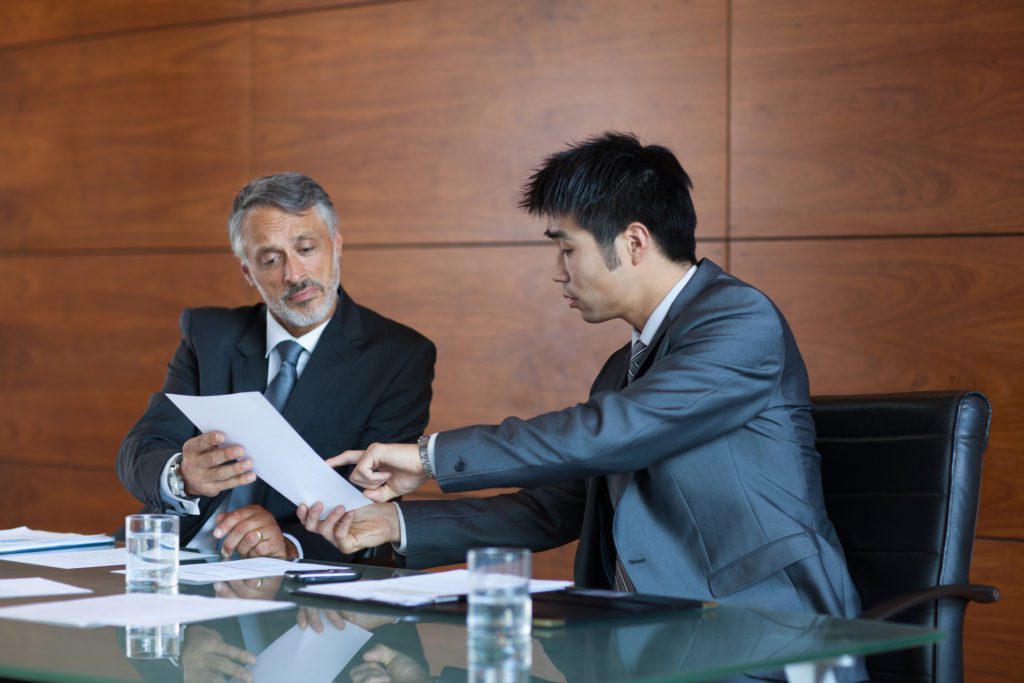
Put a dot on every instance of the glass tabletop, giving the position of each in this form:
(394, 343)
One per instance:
(319, 640)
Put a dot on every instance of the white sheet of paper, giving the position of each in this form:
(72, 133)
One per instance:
(235, 570)
(137, 609)
(279, 455)
(35, 587)
(72, 559)
(423, 589)
(23, 539)
(322, 655)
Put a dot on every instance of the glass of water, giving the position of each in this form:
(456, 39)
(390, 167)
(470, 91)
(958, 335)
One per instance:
(152, 543)
(499, 592)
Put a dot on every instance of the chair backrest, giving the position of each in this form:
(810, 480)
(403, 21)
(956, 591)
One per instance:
(901, 475)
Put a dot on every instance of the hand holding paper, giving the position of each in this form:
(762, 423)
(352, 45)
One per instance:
(279, 455)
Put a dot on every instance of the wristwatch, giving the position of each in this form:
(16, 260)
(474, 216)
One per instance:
(175, 482)
(424, 445)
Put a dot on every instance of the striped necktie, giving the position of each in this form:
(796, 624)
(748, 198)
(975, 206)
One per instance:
(636, 357)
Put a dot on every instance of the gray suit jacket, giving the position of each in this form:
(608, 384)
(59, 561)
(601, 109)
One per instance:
(725, 500)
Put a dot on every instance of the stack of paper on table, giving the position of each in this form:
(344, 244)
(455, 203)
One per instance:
(138, 609)
(235, 570)
(422, 589)
(23, 539)
(36, 587)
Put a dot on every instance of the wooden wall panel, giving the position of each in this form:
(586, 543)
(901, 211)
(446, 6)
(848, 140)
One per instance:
(909, 315)
(86, 339)
(26, 21)
(63, 498)
(992, 648)
(873, 117)
(425, 117)
(140, 140)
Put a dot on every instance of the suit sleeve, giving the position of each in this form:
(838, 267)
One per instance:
(441, 531)
(721, 367)
(163, 429)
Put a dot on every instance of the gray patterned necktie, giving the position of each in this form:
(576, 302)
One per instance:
(277, 393)
(636, 357)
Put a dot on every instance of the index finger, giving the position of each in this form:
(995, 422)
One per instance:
(346, 458)
(206, 441)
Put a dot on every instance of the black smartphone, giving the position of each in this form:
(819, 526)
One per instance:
(323, 575)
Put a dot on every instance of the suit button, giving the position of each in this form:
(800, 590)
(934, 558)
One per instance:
(460, 466)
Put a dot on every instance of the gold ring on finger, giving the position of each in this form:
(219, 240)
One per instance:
(260, 534)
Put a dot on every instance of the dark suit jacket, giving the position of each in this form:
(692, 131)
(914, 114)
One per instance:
(367, 380)
(725, 499)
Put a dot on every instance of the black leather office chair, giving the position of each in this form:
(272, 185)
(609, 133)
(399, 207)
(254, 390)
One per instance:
(902, 475)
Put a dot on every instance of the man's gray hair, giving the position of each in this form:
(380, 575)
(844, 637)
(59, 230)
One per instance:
(293, 193)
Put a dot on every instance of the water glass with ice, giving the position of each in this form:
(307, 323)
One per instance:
(152, 544)
(499, 592)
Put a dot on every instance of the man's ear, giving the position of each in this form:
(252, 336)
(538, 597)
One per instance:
(246, 273)
(638, 241)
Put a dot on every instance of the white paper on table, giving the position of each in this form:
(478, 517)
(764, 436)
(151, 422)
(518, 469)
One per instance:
(138, 609)
(421, 589)
(35, 587)
(252, 568)
(323, 655)
(279, 455)
(22, 539)
(72, 559)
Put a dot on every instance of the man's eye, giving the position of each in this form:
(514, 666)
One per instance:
(307, 249)
(566, 252)
(268, 262)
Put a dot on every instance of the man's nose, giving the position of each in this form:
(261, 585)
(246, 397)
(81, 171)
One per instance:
(293, 271)
(559, 273)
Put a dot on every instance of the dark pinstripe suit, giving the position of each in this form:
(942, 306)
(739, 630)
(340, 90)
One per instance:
(367, 380)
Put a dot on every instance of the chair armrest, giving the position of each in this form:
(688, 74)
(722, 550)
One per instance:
(973, 592)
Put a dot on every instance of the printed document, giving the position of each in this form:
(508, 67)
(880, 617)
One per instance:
(35, 587)
(22, 539)
(421, 589)
(279, 455)
(138, 609)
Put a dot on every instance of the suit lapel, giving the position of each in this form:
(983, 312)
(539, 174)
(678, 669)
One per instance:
(327, 367)
(249, 362)
(706, 273)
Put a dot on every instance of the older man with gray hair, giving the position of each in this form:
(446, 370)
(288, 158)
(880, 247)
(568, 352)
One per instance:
(342, 375)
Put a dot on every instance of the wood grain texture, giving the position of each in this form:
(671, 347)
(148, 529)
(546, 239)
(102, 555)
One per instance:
(86, 339)
(994, 642)
(507, 343)
(63, 499)
(424, 118)
(912, 315)
(28, 21)
(134, 141)
(873, 117)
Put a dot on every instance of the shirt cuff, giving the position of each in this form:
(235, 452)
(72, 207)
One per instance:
(295, 542)
(400, 548)
(433, 461)
(181, 506)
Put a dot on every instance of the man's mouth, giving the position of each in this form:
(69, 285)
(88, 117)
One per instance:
(573, 301)
(305, 292)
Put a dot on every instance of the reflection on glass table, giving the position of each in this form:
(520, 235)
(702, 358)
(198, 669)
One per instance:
(323, 640)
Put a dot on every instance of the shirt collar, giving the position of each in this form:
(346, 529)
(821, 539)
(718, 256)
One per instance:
(661, 310)
(277, 334)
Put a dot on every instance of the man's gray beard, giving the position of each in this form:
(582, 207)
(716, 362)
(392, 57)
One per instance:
(311, 316)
